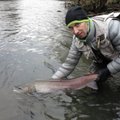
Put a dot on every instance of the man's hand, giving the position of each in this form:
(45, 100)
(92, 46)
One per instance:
(103, 75)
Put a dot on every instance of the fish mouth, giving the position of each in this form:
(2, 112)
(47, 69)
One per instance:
(17, 89)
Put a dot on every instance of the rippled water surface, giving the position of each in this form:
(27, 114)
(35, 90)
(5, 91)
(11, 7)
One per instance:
(33, 43)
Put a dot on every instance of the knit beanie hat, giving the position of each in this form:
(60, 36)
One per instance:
(75, 15)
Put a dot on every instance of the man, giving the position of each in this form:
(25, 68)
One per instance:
(97, 38)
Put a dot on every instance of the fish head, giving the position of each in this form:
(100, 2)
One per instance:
(18, 89)
(25, 89)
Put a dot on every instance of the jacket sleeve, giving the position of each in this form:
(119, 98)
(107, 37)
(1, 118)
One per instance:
(114, 36)
(70, 63)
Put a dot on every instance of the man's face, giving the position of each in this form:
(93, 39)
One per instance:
(80, 30)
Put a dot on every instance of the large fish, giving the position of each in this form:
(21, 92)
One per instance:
(43, 86)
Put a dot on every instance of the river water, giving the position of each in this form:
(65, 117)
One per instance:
(33, 43)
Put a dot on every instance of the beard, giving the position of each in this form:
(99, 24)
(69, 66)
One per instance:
(79, 37)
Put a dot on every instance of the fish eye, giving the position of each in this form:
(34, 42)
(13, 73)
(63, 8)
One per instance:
(19, 88)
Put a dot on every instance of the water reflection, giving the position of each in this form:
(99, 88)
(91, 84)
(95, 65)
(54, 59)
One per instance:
(27, 35)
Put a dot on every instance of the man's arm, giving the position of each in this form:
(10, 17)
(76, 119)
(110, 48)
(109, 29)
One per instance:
(70, 63)
(114, 36)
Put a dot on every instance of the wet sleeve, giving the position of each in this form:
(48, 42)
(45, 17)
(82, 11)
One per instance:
(70, 63)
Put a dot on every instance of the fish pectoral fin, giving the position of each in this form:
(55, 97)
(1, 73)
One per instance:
(92, 85)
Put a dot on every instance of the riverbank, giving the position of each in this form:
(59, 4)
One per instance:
(93, 9)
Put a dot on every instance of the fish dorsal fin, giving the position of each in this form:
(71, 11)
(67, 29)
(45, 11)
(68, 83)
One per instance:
(92, 85)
